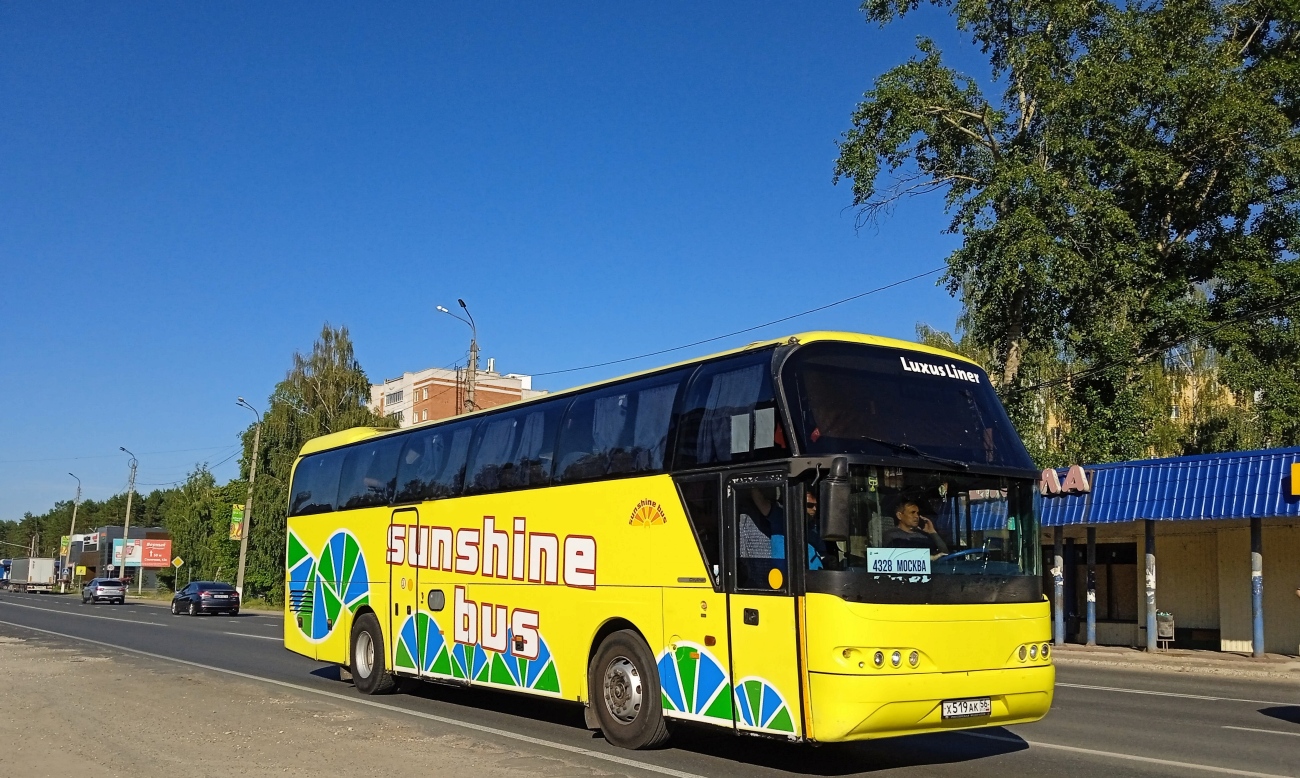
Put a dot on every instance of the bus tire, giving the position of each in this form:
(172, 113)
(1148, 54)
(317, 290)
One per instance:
(623, 685)
(368, 666)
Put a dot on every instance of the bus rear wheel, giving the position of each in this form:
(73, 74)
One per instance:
(369, 670)
(623, 684)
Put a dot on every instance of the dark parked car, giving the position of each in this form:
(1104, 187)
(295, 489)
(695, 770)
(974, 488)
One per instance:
(206, 597)
(109, 589)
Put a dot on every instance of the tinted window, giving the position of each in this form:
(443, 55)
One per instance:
(703, 500)
(315, 483)
(514, 450)
(369, 473)
(848, 398)
(730, 414)
(215, 587)
(432, 463)
(619, 430)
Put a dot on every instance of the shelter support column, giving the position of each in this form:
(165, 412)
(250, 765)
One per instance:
(1058, 586)
(1257, 586)
(1092, 586)
(1151, 583)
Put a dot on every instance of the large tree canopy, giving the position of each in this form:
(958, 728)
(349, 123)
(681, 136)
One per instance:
(1125, 178)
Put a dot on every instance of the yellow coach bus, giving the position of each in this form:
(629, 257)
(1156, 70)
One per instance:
(826, 537)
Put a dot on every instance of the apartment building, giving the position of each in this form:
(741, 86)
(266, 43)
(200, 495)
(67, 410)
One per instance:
(439, 393)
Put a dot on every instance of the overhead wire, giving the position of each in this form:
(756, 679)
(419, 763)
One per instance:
(742, 331)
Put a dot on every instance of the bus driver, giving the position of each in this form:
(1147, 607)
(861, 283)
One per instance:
(912, 530)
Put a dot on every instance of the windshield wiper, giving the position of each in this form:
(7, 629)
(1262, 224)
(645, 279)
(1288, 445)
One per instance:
(908, 448)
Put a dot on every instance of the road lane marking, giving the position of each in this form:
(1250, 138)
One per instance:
(1127, 757)
(1169, 694)
(246, 635)
(395, 709)
(82, 615)
(1268, 731)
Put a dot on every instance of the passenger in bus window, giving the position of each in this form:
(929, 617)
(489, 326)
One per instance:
(761, 537)
(818, 556)
(912, 530)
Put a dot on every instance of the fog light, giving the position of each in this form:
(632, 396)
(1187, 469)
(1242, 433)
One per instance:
(1044, 650)
(1023, 652)
(913, 658)
(880, 658)
(1033, 652)
(896, 658)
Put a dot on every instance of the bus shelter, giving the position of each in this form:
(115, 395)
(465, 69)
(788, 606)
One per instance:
(1177, 551)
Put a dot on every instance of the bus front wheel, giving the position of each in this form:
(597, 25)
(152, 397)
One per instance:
(369, 669)
(623, 686)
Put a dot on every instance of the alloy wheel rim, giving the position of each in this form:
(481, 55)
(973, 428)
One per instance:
(365, 655)
(622, 689)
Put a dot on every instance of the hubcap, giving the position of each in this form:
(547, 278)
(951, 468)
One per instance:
(365, 654)
(622, 686)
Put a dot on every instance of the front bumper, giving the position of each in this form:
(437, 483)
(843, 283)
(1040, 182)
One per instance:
(856, 707)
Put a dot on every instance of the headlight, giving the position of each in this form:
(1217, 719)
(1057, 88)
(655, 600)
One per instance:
(879, 658)
(1033, 652)
(1023, 652)
(1045, 649)
(896, 658)
(913, 658)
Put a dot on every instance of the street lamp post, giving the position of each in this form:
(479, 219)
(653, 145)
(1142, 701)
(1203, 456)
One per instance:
(76, 501)
(248, 504)
(471, 372)
(126, 529)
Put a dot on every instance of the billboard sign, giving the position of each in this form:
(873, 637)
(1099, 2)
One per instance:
(91, 542)
(155, 552)
(236, 522)
(65, 543)
(133, 551)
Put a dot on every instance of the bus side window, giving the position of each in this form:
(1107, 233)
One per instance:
(729, 414)
(535, 450)
(369, 473)
(316, 483)
(432, 462)
(702, 497)
(490, 457)
(619, 431)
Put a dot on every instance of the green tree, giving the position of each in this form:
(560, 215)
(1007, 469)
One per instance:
(324, 391)
(1125, 178)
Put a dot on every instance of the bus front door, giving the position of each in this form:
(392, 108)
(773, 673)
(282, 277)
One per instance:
(403, 635)
(761, 610)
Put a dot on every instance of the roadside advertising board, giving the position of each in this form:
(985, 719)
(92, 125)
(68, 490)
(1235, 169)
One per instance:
(236, 522)
(65, 543)
(133, 551)
(155, 553)
(91, 543)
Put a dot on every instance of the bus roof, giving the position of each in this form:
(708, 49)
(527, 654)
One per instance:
(356, 434)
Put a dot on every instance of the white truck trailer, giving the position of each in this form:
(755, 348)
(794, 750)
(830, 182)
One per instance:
(32, 575)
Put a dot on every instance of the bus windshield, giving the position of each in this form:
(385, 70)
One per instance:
(847, 398)
(920, 535)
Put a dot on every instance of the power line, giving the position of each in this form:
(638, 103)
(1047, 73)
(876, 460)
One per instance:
(746, 329)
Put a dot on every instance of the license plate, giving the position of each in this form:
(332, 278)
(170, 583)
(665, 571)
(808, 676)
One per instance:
(964, 709)
(221, 596)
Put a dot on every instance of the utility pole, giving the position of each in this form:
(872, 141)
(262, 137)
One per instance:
(248, 503)
(63, 585)
(471, 371)
(126, 529)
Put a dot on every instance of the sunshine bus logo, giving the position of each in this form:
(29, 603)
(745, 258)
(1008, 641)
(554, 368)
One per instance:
(647, 513)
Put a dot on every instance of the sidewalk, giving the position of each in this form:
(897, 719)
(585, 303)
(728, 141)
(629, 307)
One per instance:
(1270, 666)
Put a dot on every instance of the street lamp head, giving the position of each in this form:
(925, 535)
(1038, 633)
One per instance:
(462, 303)
(239, 401)
(444, 310)
(122, 448)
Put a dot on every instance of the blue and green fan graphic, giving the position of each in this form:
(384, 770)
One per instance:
(761, 706)
(422, 647)
(694, 682)
(320, 590)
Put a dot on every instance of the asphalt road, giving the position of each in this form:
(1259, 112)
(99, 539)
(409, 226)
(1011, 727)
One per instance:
(1116, 722)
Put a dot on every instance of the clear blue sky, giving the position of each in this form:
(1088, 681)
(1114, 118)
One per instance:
(190, 190)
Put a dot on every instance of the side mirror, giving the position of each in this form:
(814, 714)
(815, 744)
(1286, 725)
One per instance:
(835, 501)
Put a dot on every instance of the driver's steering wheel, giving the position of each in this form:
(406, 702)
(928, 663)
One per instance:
(956, 555)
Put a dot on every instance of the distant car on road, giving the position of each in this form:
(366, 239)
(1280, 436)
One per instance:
(109, 589)
(206, 597)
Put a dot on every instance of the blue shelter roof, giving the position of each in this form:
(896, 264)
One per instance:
(1237, 485)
